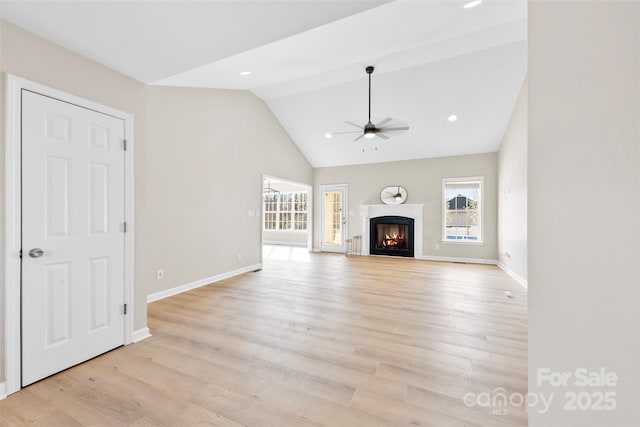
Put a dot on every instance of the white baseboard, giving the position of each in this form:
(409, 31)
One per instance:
(284, 243)
(456, 259)
(3, 390)
(140, 334)
(202, 282)
(513, 275)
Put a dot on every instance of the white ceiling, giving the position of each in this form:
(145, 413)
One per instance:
(153, 39)
(307, 58)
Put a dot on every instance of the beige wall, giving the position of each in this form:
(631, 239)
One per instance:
(512, 191)
(584, 136)
(208, 150)
(199, 159)
(26, 55)
(423, 181)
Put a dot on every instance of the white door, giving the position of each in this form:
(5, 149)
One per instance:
(334, 217)
(73, 278)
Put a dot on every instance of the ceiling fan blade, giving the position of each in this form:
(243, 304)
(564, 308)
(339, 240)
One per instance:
(383, 122)
(353, 124)
(342, 133)
(395, 129)
(382, 135)
(358, 138)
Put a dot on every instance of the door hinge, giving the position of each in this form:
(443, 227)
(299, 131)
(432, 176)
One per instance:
(125, 309)
(124, 144)
(20, 253)
(124, 227)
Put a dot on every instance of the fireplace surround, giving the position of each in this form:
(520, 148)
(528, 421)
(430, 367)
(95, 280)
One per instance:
(391, 235)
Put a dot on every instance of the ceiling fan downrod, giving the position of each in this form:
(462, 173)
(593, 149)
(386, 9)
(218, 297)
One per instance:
(369, 71)
(369, 129)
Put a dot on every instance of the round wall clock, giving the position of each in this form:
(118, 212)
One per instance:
(393, 195)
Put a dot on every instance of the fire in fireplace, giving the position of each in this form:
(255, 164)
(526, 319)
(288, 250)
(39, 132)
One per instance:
(392, 239)
(391, 235)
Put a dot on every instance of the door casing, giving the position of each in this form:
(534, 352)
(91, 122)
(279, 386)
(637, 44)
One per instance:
(13, 214)
(309, 189)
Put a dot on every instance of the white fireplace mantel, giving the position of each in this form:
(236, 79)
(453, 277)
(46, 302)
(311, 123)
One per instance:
(414, 211)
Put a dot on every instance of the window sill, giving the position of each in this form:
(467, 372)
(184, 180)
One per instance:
(284, 231)
(463, 242)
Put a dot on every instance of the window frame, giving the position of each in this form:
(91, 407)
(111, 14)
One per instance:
(292, 211)
(443, 227)
(266, 213)
(295, 212)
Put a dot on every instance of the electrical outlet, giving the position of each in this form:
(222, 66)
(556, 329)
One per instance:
(437, 246)
(239, 257)
(160, 274)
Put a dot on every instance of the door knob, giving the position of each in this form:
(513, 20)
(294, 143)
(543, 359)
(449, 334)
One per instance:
(36, 253)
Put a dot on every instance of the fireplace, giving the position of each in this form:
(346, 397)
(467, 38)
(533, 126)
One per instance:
(391, 235)
(407, 210)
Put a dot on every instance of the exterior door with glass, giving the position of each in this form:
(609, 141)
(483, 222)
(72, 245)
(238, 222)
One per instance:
(334, 217)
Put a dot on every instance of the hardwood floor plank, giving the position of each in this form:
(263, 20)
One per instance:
(447, 405)
(84, 405)
(248, 410)
(403, 413)
(32, 410)
(226, 369)
(329, 340)
(271, 352)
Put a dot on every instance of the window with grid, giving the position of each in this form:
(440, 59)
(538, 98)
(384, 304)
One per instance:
(270, 210)
(285, 211)
(300, 211)
(462, 209)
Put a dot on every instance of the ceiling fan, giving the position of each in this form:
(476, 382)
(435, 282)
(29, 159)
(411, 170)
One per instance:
(371, 130)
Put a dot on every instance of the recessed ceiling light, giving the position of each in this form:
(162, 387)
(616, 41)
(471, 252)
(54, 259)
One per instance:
(471, 4)
(327, 135)
(245, 73)
(452, 118)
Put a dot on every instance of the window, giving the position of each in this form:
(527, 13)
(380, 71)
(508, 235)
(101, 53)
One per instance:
(462, 209)
(270, 210)
(300, 211)
(286, 211)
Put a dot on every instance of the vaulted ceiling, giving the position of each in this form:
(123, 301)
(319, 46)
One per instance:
(433, 59)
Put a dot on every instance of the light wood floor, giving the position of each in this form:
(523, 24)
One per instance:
(320, 340)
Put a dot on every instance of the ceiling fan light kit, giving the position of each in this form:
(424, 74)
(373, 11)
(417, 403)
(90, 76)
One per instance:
(369, 132)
